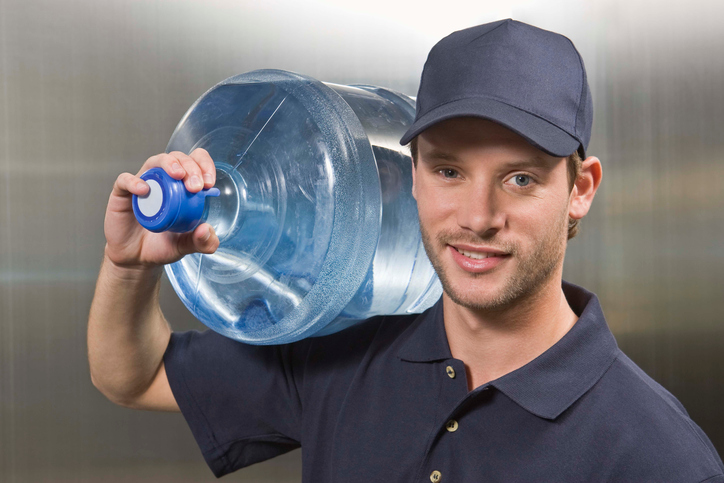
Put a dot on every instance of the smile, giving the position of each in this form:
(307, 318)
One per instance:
(477, 262)
(478, 255)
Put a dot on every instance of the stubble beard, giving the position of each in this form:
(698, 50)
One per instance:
(533, 270)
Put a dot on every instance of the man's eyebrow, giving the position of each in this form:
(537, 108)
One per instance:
(534, 162)
(440, 155)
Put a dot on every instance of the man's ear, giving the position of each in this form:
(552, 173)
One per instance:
(414, 169)
(584, 189)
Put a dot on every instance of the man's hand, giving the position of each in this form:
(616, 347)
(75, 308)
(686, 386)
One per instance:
(128, 244)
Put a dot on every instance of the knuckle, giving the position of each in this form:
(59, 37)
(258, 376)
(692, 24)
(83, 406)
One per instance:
(152, 159)
(171, 164)
(123, 178)
(176, 154)
(168, 158)
(208, 164)
(201, 155)
(189, 164)
(192, 168)
(150, 162)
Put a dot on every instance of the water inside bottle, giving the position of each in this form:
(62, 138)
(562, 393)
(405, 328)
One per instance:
(279, 170)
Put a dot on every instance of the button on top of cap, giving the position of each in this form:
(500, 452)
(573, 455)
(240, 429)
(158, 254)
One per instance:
(150, 203)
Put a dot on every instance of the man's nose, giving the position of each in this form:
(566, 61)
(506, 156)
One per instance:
(481, 210)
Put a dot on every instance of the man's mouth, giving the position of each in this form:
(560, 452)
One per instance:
(478, 255)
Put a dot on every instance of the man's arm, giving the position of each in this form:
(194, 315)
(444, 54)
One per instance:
(127, 337)
(127, 332)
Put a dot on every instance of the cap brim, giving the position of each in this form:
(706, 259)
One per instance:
(540, 133)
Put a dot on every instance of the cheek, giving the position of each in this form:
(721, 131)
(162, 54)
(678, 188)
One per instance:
(435, 206)
(538, 215)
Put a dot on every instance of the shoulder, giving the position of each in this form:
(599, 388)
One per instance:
(330, 364)
(369, 338)
(334, 353)
(647, 426)
(625, 374)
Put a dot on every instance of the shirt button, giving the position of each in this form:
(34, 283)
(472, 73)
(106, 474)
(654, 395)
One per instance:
(450, 372)
(452, 426)
(435, 476)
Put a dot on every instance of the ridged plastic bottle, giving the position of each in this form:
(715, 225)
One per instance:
(317, 223)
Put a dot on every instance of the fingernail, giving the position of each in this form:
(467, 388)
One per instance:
(208, 178)
(141, 185)
(177, 168)
(195, 182)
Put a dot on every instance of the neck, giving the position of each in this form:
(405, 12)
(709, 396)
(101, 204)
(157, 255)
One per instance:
(494, 343)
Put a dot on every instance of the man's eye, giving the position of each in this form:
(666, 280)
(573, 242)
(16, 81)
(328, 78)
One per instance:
(449, 173)
(521, 180)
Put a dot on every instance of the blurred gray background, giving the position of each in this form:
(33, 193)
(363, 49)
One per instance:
(92, 88)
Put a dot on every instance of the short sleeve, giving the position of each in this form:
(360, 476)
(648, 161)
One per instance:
(242, 402)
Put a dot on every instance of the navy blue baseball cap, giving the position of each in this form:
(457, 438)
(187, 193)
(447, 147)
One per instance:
(529, 80)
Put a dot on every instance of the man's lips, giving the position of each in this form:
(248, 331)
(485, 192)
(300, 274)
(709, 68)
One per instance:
(481, 250)
(477, 259)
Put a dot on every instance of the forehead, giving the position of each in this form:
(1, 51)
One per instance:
(460, 136)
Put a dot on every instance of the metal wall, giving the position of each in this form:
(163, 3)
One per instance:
(90, 89)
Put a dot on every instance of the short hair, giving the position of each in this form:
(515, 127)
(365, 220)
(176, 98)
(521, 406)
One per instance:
(574, 165)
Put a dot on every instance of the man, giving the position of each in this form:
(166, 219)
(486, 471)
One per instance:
(512, 376)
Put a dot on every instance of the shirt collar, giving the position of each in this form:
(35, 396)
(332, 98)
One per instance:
(553, 381)
(427, 341)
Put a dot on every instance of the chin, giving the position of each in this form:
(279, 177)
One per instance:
(503, 287)
(479, 300)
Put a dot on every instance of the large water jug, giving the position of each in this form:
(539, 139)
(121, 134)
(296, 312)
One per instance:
(312, 206)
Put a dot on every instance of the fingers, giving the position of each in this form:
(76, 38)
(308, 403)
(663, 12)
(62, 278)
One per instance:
(193, 178)
(202, 240)
(197, 170)
(167, 162)
(208, 170)
(127, 184)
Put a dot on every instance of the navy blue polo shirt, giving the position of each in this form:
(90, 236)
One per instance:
(385, 401)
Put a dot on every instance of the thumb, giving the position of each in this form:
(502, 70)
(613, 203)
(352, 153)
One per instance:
(203, 239)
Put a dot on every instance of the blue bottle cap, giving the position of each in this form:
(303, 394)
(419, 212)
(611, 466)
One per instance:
(168, 205)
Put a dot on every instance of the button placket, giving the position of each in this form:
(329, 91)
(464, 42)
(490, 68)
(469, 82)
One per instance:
(452, 390)
(454, 385)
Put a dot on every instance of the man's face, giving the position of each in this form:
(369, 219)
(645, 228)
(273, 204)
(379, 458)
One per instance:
(481, 188)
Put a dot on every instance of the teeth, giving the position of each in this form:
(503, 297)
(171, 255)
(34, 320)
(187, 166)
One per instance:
(476, 255)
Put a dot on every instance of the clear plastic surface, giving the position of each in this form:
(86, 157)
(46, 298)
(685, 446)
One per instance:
(316, 220)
